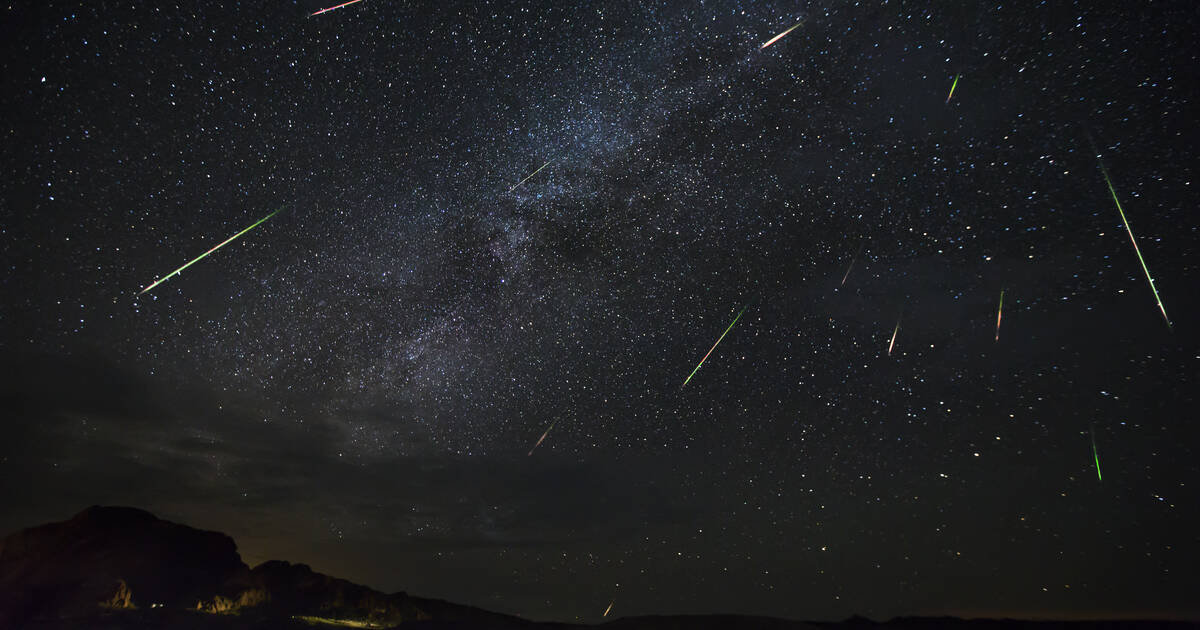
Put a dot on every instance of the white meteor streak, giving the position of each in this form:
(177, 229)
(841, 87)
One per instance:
(780, 36)
(327, 10)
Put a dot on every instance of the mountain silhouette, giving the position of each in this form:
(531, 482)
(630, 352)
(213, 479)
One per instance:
(120, 568)
(118, 564)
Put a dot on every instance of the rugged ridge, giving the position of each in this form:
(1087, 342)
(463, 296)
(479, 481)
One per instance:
(115, 568)
(117, 557)
(107, 560)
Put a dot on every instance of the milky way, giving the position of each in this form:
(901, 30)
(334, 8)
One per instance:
(356, 383)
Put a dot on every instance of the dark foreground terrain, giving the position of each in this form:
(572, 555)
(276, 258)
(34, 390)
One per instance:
(116, 568)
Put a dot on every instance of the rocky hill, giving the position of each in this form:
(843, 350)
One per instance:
(107, 562)
(116, 568)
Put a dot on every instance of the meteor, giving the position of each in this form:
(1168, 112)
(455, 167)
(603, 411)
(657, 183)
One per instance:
(851, 265)
(999, 312)
(1136, 250)
(780, 36)
(609, 608)
(952, 86)
(1096, 455)
(344, 4)
(530, 175)
(197, 259)
(893, 341)
(714, 347)
(539, 442)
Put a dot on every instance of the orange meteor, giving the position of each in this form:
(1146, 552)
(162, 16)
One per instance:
(539, 442)
(999, 312)
(893, 342)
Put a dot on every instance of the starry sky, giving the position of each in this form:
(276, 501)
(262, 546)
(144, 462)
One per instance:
(357, 382)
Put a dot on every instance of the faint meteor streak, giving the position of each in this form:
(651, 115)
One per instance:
(1096, 455)
(539, 442)
(609, 608)
(714, 346)
(851, 265)
(344, 4)
(952, 86)
(529, 176)
(1136, 250)
(780, 36)
(999, 312)
(892, 343)
(201, 256)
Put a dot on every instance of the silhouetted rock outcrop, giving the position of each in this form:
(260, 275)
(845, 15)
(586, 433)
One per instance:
(282, 588)
(114, 557)
(109, 560)
(111, 568)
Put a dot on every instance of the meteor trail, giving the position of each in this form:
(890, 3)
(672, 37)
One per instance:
(609, 608)
(530, 175)
(344, 4)
(539, 442)
(714, 347)
(999, 312)
(851, 265)
(197, 259)
(1136, 250)
(952, 86)
(893, 341)
(780, 36)
(1096, 455)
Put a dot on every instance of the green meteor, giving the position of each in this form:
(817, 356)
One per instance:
(1096, 456)
(1136, 250)
(530, 175)
(952, 86)
(714, 347)
(197, 259)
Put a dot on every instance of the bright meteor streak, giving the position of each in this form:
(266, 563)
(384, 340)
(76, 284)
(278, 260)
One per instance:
(714, 347)
(1136, 250)
(539, 442)
(198, 258)
(344, 4)
(1096, 455)
(952, 86)
(892, 343)
(609, 608)
(999, 312)
(780, 36)
(529, 176)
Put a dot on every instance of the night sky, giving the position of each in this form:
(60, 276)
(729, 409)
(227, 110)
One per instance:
(357, 382)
